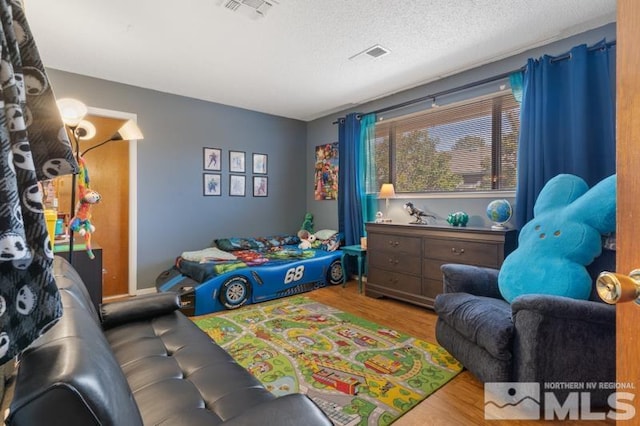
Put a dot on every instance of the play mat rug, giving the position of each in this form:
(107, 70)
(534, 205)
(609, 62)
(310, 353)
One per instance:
(356, 371)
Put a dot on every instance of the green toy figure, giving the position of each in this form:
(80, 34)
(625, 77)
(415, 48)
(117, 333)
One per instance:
(307, 225)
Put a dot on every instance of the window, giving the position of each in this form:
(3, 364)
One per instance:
(464, 147)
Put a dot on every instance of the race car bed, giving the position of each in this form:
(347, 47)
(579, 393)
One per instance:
(239, 271)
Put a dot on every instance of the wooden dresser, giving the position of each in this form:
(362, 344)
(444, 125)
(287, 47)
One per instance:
(405, 260)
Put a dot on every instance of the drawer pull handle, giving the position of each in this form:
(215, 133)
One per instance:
(394, 261)
(394, 243)
(456, 251)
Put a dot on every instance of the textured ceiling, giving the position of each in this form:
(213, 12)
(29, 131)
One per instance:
(294, 62)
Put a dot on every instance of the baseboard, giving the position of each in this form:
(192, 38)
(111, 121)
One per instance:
(146, 291)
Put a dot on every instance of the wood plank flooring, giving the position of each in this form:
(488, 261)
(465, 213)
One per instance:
(459, 402)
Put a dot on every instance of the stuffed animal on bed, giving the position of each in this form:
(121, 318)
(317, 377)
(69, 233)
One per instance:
(564, 236)
(307, 239)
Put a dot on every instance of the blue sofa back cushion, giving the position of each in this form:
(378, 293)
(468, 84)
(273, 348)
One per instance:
(564, 236)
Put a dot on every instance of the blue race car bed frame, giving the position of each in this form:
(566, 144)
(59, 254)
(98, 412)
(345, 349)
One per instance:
(255, 275)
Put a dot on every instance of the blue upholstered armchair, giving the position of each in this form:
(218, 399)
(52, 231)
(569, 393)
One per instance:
(536, 338)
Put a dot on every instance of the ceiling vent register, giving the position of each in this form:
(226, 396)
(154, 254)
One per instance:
(374, 52)
(252, 8)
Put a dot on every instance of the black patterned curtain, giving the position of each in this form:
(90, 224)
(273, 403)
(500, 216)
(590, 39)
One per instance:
(34, 146)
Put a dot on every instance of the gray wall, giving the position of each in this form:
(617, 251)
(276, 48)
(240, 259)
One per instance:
(173, 216)
(322, 131)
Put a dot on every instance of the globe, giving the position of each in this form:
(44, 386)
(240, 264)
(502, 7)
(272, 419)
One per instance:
(499, 212)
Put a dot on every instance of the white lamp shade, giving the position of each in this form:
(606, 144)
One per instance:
(72, 111)
(387, 191)
(85, 130)
(130, 131)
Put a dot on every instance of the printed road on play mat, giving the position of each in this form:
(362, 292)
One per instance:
(356, 371)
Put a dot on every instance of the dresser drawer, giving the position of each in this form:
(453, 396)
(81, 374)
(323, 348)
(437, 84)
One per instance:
(431, 288)
(396, 262)
(394, 243)
(431, 269)
(461, 251)
(394, 281)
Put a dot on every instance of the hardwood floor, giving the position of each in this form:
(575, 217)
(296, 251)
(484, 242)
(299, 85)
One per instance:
(459, 402)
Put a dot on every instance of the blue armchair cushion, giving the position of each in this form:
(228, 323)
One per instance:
(562, 238)
(484, 321)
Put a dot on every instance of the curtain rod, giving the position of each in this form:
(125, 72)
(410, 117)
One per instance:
(468, 85)
(438, 94)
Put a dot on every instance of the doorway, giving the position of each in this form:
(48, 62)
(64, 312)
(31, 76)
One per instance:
(112, 173)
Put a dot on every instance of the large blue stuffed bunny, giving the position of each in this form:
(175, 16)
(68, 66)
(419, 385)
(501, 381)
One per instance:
(563, 237)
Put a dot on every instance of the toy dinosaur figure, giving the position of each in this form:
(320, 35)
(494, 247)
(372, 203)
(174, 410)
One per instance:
(81, 221)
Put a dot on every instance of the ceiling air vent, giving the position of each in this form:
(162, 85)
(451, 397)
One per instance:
(373, 52)
(232, 5)
(376, 51)
(251, 8)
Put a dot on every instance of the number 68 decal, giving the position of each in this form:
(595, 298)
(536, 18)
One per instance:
(294, 274)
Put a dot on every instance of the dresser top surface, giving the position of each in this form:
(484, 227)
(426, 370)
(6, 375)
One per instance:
(436, 227)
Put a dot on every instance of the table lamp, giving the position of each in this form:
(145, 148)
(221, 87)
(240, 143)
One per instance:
(387, 191)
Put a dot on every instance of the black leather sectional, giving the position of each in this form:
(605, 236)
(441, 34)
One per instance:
(140, 362)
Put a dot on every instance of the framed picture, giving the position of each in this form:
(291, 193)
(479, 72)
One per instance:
(211, 184)
(260, 164)
(236, 161)
(326, 172)
(260, 186)
(212, 158)
(237, 185)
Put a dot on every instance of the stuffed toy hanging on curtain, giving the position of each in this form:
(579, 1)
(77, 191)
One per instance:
(33, 146)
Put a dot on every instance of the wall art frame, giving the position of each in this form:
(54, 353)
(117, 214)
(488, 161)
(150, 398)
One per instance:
(260, 186)
(260, 163)
(212, 159)
(211, 184)
(237, 161)
(237, 185)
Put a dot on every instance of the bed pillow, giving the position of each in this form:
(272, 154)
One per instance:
(325, 234)
(328, 244)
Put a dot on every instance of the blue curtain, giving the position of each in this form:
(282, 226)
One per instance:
(567, 121)
(367, 168)
(349, 183)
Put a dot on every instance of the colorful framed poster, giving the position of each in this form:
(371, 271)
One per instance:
(326, 172)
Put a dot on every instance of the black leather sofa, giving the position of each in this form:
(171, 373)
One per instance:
(140, 362)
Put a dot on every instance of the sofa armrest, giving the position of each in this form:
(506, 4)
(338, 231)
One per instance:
(289, 410)
(474, 280)
(138, 308)
(558, 339)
